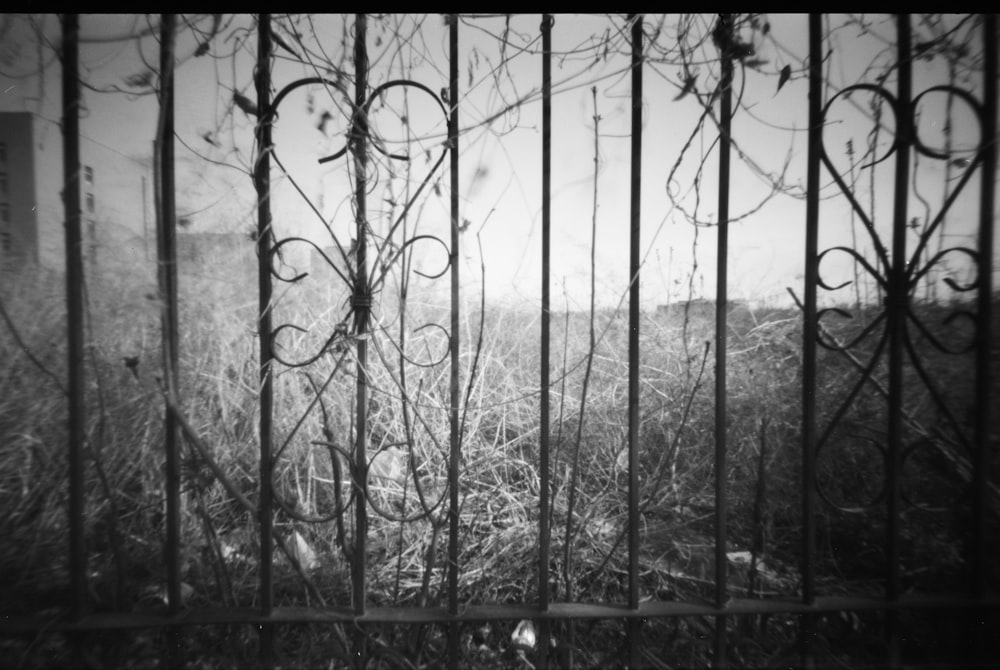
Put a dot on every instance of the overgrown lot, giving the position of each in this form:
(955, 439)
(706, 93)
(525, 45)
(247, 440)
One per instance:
(500, 472)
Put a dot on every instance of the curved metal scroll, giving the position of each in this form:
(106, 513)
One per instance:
(898, 332)
(403, 483)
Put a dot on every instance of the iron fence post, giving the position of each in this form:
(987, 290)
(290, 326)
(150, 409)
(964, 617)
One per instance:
(634, 315)
(897, 305)
(169, 322)
(984, 308)
(726, 27)
(454, 390)
(74, 311)
(361, 301)
(262, 186)
(544, 532)
(984, 453)
(810, 334)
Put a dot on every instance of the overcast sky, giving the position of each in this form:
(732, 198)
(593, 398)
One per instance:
(500, 148)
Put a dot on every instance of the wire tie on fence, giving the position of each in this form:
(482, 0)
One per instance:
(362, 301)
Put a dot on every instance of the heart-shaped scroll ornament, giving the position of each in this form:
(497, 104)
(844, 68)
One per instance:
(892, 124)
(906, 253)
(405, 481)
(386, 249)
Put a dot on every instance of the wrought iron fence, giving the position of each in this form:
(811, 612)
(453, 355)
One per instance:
(885, 359)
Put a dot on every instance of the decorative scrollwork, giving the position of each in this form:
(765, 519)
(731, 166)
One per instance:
(850, 480)
(946, 329)
(401, 483)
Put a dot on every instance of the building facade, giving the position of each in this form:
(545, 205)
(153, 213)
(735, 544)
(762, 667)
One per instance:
(116, 207)
(215, 210)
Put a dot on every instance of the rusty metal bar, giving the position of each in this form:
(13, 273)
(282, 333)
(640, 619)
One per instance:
(721, 297)
(455, 391)
(74, 310)
(979, 545)
(980, 560)
(362, 307)
(810, 333)
(897, 305)
(897, 299)
(262, 184)
(167, 263)
(544, 532)
(635, 261)
(810, 326)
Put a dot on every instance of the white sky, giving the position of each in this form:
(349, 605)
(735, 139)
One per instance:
(501, 160)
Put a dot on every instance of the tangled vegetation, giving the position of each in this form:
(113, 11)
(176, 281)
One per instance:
(499, 483)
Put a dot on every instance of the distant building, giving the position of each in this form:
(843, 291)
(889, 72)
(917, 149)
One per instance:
(118, 211)
(116, 223)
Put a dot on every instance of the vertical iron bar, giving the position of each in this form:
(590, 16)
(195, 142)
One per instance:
(809, 333)
(721, 297)
(168, 294)
(987, 198)
(896, 307)
(362, 306)
(543, 443)
(454, 382)
(74, 309)
(987, 195)
(635, 259)
(262, 184)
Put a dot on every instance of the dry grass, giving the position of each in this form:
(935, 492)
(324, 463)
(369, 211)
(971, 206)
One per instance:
(408, 456)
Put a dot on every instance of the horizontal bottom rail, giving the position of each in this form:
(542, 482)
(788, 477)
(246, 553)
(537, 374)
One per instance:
(14, 625)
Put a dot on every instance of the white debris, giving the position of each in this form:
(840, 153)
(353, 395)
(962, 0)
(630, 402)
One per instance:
(303, 552)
